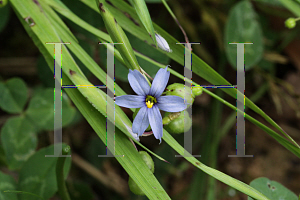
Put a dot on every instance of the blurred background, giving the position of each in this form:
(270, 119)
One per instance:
(272, 82)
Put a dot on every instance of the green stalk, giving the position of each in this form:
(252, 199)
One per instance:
(204, 186)
(118, 36)
(144, 15)
(177, 22)
(61, 185)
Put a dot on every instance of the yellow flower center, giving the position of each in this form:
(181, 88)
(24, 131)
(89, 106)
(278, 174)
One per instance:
(150, 101)
(149, 104)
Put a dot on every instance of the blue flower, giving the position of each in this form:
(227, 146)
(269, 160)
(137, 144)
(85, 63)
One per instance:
(149, 99)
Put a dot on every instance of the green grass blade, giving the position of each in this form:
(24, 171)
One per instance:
(65, 11)
(144, 15)
(293, 6)
(118, 36)
(22, 192)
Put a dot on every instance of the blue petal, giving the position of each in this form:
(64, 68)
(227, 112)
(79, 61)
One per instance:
(130, 101)
(155, 122)
(138, 82)
(141, 121)
(160, 82)
(171, 103)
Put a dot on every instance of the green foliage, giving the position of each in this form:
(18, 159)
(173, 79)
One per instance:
(19, 141)
(118, 36)
(80, 190)
(13, 95)
(242, 27)
(38, 175)
(291, 5)
(7, 183)
(272, 189)
(153, 1)
(40, 109)
(18, 135)
(143, 13)
(149, 162)
(271, 2)
(4, 15)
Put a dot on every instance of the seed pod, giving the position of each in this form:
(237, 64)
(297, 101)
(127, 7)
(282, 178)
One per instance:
(290, 23)
(134, 187)
(162, 43)
(149, 162)
(179, 89)
(178, 125)
(166, 120)
(197, 90)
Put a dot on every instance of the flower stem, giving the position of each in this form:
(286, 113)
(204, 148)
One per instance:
(62, 189)
(179, 25)
(133, 143)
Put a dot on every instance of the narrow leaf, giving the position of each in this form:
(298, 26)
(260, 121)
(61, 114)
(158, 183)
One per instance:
(144, 15)
(118, 36)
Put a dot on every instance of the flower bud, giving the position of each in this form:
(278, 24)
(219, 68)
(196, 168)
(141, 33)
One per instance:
(197, 90)
(149, 162)
(290, 23)
(179, 89)
(3, 3)
(178, 125)
(162, 43)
